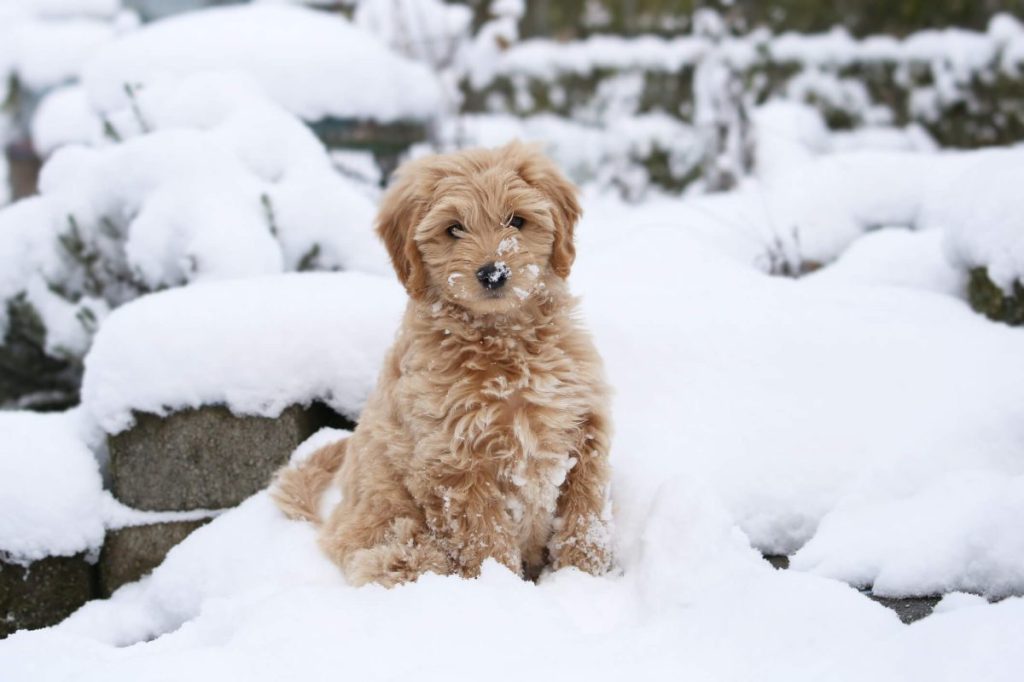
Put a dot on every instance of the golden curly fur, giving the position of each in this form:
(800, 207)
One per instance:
(488, 432)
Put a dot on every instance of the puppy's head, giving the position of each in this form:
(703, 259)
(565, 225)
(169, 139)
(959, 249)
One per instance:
(485, 229)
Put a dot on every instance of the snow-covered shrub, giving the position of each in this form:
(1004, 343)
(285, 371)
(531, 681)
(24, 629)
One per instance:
(314, 64)
(45, 44)
(965, 88)
(197, 179)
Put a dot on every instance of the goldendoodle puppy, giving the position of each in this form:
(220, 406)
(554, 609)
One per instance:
(488, 432)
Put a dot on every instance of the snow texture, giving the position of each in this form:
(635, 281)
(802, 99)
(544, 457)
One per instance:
(51, 494)
(314, 64)
(210, 180)
(767, 414)
(981, 211)
(44, 44)
(257, 345)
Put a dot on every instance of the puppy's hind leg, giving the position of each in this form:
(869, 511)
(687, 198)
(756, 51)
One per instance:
(377, 534)
(297, 489)
(407, 552)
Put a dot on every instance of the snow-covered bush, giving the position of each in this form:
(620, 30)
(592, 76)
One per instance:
(45, 44)
(314, 64)
(51, 496)
(964, 87)
(197, 179)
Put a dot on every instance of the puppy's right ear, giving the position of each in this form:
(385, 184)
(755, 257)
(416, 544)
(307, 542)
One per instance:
(401, 209)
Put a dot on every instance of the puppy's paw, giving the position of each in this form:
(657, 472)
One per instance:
(404, 556)
(584, 542)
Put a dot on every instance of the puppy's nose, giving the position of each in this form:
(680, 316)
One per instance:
(493, 275)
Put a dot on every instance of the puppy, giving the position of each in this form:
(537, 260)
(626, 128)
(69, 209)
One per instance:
(487, 435)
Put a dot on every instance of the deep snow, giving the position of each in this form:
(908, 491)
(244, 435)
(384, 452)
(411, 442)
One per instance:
(860, 418)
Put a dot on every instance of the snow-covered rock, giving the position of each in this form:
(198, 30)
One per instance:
(257, 345)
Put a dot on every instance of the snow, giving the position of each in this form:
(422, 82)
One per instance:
(314, 64)
(430, 31)
(607, 156)
(861, 418)
(50, 488)
(955, 53)
(64, 117)
(247, 344)
(897, 257)
(258, 601)
(193, 191)
(980, 211)
(958, 533)
(764, 414)
(45, 44)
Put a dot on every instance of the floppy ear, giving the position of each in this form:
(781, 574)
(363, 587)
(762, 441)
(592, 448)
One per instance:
(401, 209)
(540, 172)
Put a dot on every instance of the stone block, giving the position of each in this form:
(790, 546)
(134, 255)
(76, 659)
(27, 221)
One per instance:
(44, 592)
(205, 458)
(132, 552)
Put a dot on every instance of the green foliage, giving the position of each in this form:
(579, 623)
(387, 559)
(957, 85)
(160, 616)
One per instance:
(565, 18)
(29, 377)
(990, 300)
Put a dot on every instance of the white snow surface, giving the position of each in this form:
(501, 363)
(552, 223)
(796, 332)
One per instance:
(981, 211)
(751, 412)
(953, 52)
(51, 494)
(314, 64)
(44, 45)
(968, 521)
(257, 345)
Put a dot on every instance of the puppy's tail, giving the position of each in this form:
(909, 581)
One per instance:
(297, 489)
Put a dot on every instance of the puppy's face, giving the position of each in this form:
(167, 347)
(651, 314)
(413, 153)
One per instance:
(484, 229)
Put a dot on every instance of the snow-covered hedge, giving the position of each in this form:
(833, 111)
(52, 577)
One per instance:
(194, 179)
(51, 494)
(966, 88)
(246, 344)
(314, 64)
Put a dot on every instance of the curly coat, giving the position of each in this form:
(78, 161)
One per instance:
(488, 432)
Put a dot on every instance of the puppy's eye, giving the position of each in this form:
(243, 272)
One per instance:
(455, 231)
(517, 222)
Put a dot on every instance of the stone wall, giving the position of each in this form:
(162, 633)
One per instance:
(192, 461)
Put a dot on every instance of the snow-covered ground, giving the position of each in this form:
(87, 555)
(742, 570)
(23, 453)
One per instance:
(861, 418)
(867, 419)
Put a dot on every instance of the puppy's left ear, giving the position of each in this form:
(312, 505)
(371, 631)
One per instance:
(538, 171)
(401, 210)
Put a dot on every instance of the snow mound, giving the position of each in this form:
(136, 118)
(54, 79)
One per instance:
(209, 180)
(981, 211)
(45, 44)
(256, 345)
(961, 532)
(51, 495)
(897, 257)
(314, 64)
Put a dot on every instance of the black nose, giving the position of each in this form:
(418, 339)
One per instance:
(493, 275)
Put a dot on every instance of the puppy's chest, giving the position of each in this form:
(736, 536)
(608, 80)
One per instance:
(513, 417)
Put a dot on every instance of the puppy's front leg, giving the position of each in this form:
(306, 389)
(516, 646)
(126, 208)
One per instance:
(583, 537)
(473, 524)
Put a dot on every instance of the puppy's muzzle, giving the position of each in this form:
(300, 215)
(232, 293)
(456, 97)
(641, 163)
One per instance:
(493, 275)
